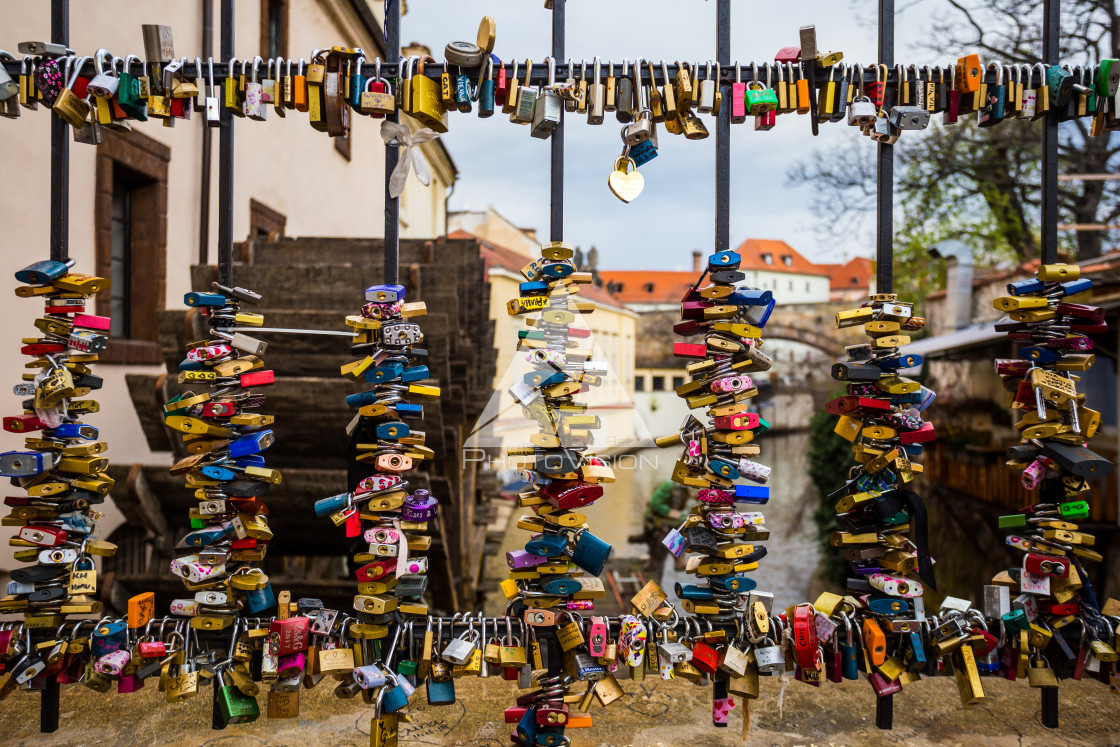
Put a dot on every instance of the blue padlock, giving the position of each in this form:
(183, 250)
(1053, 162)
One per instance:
(919, 650)
(22, 464)
(562, 587)
(527, 727)
(392, 430)
(889, 606)
(108, 637)
(1073, 287)
(195, 298)
(912, 450)
(259, 600)
(726, 260)
(910, 398)
(764, 316)
(910, 360)
(252, 443)
(1025, 287)
(692, 591)
(252, 460)
(42, 272)
(385, 293)
(406, 410)
(558, 270)
(76, 430)
(327, 506)
(381, 374)
(189, 365)
(214, 472)
(547, 545)
(590, 553)
(737, 584)
(643, 153)
(544, 378)
(440, 693)
(752, 494)
(416, 373)
(361, 399)
(208, 535)
(745, 297)
(1039, 355)
(724, 468)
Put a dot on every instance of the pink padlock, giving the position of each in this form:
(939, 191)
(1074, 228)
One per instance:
(382, 535)
(129, 683)
(185, 607)
(732, 384)
(292, 664)
(576, 605)
(738, 422)
(716, 495)
(113, 662)
(378, 482)
(92, 321)
(416, 565)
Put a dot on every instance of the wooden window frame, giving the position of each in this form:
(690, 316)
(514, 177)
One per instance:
(285, 7)
(147, 159)
(265, 220)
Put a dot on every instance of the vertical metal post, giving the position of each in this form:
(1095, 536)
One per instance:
(60, 151)
(884, 248)
(392, 154)
(1051, 28)
(225, 163)
(884, 215)
(556, 170)
(60, 252)
(204, 175)
(723, 130)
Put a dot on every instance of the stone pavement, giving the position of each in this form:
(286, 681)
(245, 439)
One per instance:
(651, 714)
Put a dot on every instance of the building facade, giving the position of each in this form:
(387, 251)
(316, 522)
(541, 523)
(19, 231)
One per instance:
(136, 213)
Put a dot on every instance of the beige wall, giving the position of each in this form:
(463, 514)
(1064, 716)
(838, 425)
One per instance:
(613, 332)
(489, 225)
(282, 163)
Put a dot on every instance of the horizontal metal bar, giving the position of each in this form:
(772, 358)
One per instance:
(539, 75)
(291, 331)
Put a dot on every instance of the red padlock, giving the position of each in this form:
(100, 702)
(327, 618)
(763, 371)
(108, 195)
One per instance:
(218, 409)
(705, 657)
(152, 649)
(23, 424)
(573, 494)
(258, 378)
(690, 350)
(805, 636)
(375, 570)
(922, 435)
(289, 636)
(1046, 565)
(43, 536)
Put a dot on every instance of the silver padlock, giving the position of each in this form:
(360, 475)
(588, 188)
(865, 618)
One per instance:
(861, 112)
(103, 84)
(8, 87)
(548, 107)
(884, 132)
(526, 98)
(596, 97)
(733, 660)
(707, 90)
(211, 598)
(640, 130)
(769, 657)
(909, 117)
(673, 652)
(460, 650)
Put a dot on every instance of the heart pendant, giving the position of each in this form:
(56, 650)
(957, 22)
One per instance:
(625, 186)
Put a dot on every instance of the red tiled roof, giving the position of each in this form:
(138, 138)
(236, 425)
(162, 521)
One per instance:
(508, 259)
(648, 286)
(856, 274)
(783, 258)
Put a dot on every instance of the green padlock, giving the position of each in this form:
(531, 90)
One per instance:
(129, 96)
(1016, 622)
(236, 706)
(1074, 510)
(1108, 78)
(760, 99)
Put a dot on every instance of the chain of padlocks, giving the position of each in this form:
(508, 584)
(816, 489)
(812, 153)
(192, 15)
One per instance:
(338, 84)
(729, 636)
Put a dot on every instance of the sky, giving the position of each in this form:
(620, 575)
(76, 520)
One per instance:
(501, 165)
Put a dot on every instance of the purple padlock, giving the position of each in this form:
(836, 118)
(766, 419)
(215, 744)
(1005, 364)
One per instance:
(129, 683)
(523, 559)
(113, 662)
(292, 664)
(420, 506)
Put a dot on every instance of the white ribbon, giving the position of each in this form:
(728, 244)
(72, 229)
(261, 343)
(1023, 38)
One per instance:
(402, 135)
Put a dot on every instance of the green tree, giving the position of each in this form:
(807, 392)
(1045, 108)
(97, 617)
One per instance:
(829, 456)
(981, 184)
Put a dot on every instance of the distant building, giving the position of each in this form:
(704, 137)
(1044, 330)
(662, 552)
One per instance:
(853, 280)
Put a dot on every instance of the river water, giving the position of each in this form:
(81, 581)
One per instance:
(792, 550)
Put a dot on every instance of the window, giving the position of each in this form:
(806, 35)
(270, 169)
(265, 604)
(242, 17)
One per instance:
(791, 285)
(639, 383)
(806, 286)
(274, 28)
(130, 237)
(264, 222)
(658, 383)
(768, 258)
(787, 260)
(855, 280)
(678, 381)
(648, 287)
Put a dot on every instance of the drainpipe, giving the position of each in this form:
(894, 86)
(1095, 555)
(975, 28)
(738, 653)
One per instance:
(959, 279)
(204, 170)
